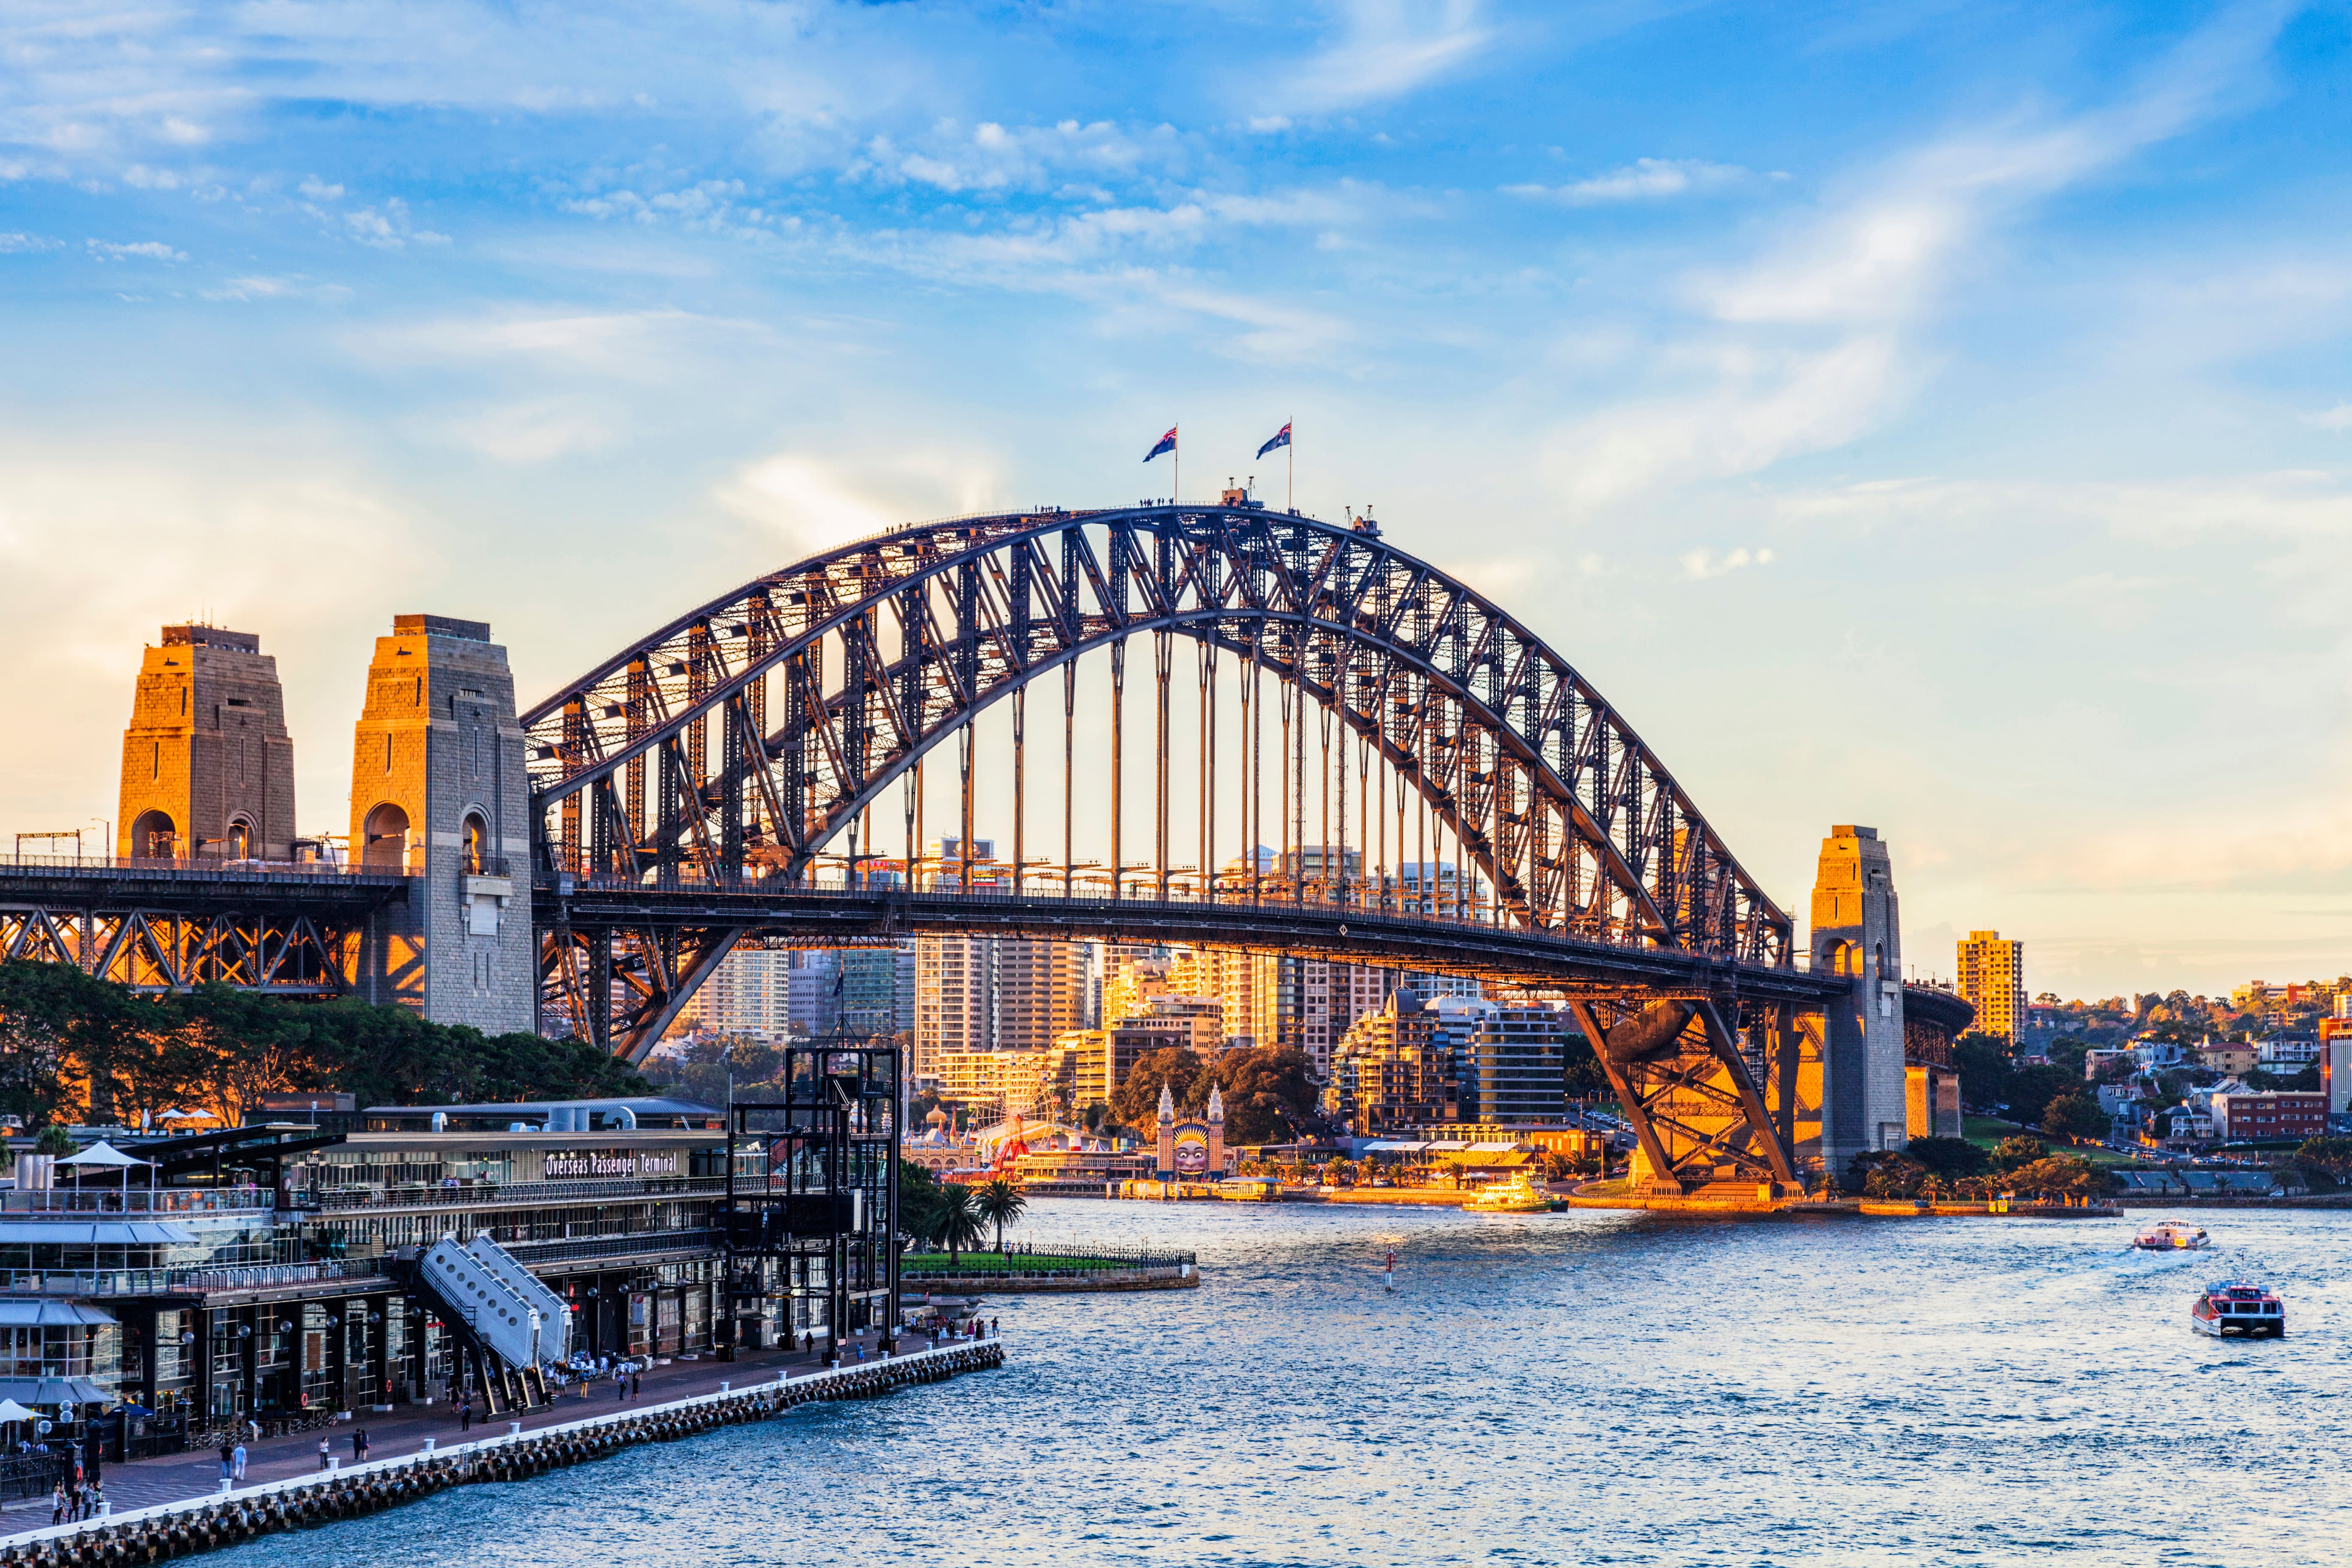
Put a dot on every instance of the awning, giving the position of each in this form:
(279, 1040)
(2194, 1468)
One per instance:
(53, 1391)
(101, 1154)
(1391, 1146)
(51, 1315)
(1491, 1148)
(1447, 1145)
(93, 1233)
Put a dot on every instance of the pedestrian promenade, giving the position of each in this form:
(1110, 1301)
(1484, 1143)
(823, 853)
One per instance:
(188, 1477)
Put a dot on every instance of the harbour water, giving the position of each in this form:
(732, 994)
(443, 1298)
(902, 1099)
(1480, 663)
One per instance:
(1586, 1387)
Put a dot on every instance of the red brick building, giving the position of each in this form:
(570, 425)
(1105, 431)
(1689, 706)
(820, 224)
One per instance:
(2239, 1118)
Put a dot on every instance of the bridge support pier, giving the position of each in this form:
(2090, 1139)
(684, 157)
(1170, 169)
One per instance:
(1858, 933)
(439, 790)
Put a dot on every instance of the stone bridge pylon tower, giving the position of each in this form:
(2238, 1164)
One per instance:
(1857, 933)
(439, 789)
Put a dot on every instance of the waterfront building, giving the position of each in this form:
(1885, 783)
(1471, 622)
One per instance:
(1390, 1074)
(998, 1083)
(1515, 1070)
(2247, 1116)
(272, 1269)
(1317, 1002)
(1992, 981)
(1080, 1070)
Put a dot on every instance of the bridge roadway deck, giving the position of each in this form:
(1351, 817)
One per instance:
(195, 888)
(821, 916)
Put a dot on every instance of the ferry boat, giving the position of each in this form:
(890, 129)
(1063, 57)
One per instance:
(2238, 1307)
(1519, 1195)
(2172, 1235)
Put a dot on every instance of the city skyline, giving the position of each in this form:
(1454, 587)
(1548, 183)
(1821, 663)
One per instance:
(1882, 420)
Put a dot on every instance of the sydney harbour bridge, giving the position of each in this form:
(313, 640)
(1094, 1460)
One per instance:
(1214, 725)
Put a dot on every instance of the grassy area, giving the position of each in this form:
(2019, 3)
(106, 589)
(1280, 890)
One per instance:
(1986, 1132)
(982, 1261)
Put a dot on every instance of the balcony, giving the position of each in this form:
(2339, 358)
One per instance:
(207, 1280)
(469, 1194)
(137, 1200)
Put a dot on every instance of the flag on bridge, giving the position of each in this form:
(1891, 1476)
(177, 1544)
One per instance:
(1281, 438)
(1167, 444)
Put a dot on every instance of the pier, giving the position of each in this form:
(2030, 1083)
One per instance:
(701, 1399)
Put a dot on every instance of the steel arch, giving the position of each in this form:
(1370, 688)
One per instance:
(881, 649)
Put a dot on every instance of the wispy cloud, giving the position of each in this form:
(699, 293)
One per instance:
(1704, 564)
(140, 250)
(1644, 179)
(1387, 48)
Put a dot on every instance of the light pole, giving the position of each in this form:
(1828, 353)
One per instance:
(107, 850)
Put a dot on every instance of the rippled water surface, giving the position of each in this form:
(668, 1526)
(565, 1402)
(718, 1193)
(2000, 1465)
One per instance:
(1583, 1387)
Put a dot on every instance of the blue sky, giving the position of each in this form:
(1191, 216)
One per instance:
(1933, 415)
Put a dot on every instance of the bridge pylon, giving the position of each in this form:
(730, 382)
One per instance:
(1857, 933)
(440, 791)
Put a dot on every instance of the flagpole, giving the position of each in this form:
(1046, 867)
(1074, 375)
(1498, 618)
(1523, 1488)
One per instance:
(1176, 480)
(1290, 460)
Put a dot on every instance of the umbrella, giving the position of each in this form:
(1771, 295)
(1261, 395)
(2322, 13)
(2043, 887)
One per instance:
(101, 1154)
(12, 1410)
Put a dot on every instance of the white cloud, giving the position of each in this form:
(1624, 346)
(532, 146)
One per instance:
(536, 432)
(815, 503)
(1644, 179)
(141, 177)
(145, 250)
(18, 242)
(319, 190)
(1812, 344)
(389, 229)
(991, 157)
(1703, 564)
(2336, 418)
(1388, 48)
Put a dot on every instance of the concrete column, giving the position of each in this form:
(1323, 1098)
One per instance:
(1857, 933)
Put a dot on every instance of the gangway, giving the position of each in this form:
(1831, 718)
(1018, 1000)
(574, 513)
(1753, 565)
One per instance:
(514, 1322)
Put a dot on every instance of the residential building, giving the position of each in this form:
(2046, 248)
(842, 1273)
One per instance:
(748, 994)
(2287, 1053)
(869, 1001)
(1515, 1069)
(2233, 1059)
(814, 986)
(955, 997)
(1080, 1072)
(998, 1083)
(1993, 980)
(1040, 991)
(1245, 986)
(2246, 1117)
(2335, 1064)
(1315, 1002)
(1389, 1075)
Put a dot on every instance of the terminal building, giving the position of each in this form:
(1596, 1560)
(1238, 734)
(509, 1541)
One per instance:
(189, 1283)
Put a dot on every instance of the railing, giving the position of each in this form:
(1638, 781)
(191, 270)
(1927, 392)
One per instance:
(180, 1282)
(1475, 908)
(1028, 1264)
(427, 1195)
(612, 1246)
(218, 866)
(25, 1476)
(137, 1200)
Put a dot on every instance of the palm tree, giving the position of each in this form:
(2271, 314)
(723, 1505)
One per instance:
(959, 1221)
(999, 1203)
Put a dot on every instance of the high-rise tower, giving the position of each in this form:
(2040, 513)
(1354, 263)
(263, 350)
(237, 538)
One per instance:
(207, 765)
(1992, 979)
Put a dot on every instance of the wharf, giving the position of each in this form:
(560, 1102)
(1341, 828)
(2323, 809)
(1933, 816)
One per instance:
(194, 1476)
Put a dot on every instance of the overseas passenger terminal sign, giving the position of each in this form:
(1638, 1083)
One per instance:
(571, 1166)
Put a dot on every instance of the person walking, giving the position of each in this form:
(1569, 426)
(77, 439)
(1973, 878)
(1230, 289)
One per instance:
(620, 1383)
(325, 1450)
(636, 1383)
(228, 1459)
(58, 1503)
(239, 1458)
(466, 1417)
(359, 1445)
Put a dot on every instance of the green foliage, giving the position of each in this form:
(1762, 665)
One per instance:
(71, 1044)
(999, 1203)
(1983, 1062)
(1136, 1102)
(1949, 1158)
(2061, 1175)
(2073, 1115)
(1585, 1078)
(2012, 1153)
(918, 1202)
(1887, 1173)
(55, 1140)
(2031, 1091)
(1265, 1092)
(2329, 1155)
(959, 1224)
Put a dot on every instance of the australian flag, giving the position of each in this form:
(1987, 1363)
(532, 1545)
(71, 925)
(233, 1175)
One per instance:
(1167, 444)
(1281, 438)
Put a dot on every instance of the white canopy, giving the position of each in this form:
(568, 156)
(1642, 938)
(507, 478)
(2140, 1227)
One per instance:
(101, 1154)
(12, 1410)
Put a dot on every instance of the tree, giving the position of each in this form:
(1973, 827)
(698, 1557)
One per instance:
(1585, 1079)
(1983, 1062)
(1948, 1158)
(2031, 1091)
(999, 1204)
(2073, 1115)
(1265, 1092)
(1136, 1103)
(1887, 1173)
(2330, 1156)
(55, 1142)
(960, 1223)
(2021, 1149)
(2061, 1175)
(918, 1203)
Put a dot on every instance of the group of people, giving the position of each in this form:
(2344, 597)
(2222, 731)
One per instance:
(327, 1450)
(83, 1499)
